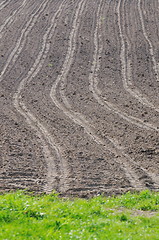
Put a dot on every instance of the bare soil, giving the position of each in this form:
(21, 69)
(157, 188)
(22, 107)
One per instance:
(79, 96)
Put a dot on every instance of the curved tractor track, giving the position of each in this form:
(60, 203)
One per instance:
(79, 91)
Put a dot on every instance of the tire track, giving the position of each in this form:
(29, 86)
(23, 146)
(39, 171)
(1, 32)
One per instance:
(93, 79)
(131, 49)
(96, 92)
(33, 122)
(156, 7)
(50, 147)
(145, 100)
(4, 4)
(155, 65)
(22, 39)
(10, 19)
(126, 69)
(128, 165)
(93, 87)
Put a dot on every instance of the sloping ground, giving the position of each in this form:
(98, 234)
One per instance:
(79, 95)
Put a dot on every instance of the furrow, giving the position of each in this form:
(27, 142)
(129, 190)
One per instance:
(22, 39)
(10, 19)
(77, 117)
(93, 88)
(155, 66)
(126, 69)
(32, 121)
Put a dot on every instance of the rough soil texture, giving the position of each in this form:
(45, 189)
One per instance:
(79, 95)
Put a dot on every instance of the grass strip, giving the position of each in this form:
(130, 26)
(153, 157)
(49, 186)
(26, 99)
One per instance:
(129, 216)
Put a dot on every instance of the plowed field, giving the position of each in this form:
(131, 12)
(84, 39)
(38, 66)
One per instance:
(79, 95)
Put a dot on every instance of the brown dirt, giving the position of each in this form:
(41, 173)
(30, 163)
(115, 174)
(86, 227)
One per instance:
(79, 96)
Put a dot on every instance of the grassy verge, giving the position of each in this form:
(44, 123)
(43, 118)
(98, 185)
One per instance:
(130, 216)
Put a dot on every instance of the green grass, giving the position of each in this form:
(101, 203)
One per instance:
(130, 216)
